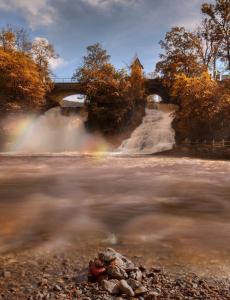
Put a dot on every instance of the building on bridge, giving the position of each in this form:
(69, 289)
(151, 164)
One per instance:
(136, 67)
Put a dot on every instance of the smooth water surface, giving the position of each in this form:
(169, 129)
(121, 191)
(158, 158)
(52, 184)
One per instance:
(175, 211)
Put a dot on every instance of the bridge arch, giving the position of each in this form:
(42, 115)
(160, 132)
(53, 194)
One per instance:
(64, 89)
(156, 87)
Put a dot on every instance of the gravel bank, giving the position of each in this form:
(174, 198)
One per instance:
(65, 276)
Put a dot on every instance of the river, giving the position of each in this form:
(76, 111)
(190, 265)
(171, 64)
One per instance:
(170, 211)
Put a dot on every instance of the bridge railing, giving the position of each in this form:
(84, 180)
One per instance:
(63, 80)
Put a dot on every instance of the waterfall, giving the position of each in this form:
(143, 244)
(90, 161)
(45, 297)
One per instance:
(51, 132)
(155, 134)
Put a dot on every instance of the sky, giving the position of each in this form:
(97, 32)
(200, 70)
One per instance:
(123, 27)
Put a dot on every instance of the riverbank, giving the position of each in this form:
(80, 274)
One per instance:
(167, 213)
(27, 275)
(197, 152)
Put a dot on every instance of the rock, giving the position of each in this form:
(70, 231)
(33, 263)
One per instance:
(141, 290)
(43, 282)
(118, 262)
(95, 270)
(137, 275)
(57, 288)
(128, 265)
(126, 289)
(116, 272)
(108, 255)
(152, 296)
(102, 277)
(133, 283)
(111, 286)
(6, 274)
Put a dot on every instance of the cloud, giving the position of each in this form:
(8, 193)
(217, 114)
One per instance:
(123, 27)
(109, 3)
(56, 63)
(36, 12)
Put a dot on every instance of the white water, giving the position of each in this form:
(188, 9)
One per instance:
(155, 134)
(52, 132)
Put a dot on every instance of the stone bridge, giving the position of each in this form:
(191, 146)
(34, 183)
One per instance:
(68, 87)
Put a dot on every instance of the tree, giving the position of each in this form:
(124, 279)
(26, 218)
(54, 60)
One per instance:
(16, 39)
(42, 51)
(93, 62)
(219, 16)
(24, 69)
(208, 46)
(204, 106)
(7, 40)
(109, 101)
(20, 84)
(180, 55)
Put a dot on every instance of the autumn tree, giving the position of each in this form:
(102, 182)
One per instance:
(218, 15)
(42, 51)
(7, 40)
(204, 107)
(20, 84)
(16, 39)
(107, 90)
(180, 55)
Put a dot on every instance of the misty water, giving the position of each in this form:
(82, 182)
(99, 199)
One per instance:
(169, 211)
(155, 134)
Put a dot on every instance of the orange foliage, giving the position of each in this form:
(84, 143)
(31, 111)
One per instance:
(20, 83)
(204, 105)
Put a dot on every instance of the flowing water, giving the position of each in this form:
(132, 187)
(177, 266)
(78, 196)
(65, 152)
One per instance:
(171, 211)
(175, 210)
(155, 134)
(52, 132)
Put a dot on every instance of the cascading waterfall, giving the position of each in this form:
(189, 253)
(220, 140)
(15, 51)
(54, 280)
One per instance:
(155, 134)
(51, 132)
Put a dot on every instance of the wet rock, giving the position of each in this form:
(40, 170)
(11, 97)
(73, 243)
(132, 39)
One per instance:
(125, 288)
(112, 286)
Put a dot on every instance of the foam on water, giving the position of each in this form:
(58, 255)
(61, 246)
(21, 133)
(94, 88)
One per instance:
(53, 133)
(155, 134)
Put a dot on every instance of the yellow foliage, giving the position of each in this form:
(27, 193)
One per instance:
(19, 81)
(204, 104)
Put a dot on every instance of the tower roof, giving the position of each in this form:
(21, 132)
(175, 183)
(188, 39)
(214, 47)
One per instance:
(136, 61)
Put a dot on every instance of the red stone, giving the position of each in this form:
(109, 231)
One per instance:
(96, 271)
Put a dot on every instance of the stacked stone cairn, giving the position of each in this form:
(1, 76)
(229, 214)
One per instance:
(116, 274)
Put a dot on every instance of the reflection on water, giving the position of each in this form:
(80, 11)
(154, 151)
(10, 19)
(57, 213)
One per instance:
(171, 209)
